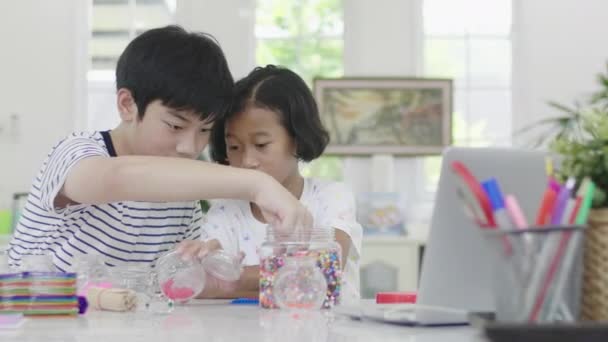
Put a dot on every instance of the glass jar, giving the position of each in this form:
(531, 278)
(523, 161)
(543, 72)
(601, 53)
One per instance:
(91, 271)
(4, 261)
(319, 243)
(180, 280)
(300, 284)
(37, 263)
(143, 281)
(223, 265)
(134, 278)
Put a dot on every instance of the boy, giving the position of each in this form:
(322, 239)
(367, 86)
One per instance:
(131, 193)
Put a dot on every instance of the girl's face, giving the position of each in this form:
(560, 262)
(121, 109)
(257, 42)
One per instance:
(256, 139)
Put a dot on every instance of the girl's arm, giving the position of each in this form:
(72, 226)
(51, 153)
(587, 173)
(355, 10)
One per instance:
(246, 287)
(344, 241)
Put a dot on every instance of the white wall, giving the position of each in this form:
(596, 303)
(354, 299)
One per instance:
(40, 82)
(381, 37)
(558, 48)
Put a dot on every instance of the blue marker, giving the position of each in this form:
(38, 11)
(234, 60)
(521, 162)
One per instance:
(245, 301)
(497, 201)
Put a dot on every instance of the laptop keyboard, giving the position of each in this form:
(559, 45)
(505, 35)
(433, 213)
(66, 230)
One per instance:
(391, 312)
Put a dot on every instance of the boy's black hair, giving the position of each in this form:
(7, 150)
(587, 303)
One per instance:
(284, 92)
(186, 71)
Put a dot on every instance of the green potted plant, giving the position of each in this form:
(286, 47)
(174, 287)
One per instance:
(580, 137)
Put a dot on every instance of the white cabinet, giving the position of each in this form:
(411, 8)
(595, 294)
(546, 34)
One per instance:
(389, 263)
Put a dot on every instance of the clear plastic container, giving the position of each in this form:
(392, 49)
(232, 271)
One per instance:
(300, 284)
(130, 277)
(4, 264)
(91, 271)
(180, 280)
(223, 265)
(37, 263)
(320, 244)
(143, 281)
(156, 301)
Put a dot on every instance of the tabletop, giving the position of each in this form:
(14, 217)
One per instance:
(215, 320)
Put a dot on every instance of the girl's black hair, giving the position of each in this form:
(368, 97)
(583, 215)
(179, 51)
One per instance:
(284, 92)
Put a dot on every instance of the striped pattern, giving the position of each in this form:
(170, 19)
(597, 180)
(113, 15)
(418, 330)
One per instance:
(39, 293)
(123, 233)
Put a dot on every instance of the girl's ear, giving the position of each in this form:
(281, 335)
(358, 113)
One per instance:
(126, 105)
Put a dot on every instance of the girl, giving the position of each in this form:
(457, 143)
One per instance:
(272, 124)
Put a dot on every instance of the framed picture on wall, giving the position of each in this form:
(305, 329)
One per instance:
(402, 116)
(381, 213)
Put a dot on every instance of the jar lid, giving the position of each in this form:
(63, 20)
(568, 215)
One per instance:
(396, 297)
(223, 265)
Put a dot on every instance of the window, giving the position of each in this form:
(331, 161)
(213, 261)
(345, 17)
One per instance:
(470, 42)
(114, 24)
(303, 35)
(307, 37)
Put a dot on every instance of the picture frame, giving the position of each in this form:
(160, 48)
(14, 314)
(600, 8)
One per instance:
(381, 213)
(400, 116)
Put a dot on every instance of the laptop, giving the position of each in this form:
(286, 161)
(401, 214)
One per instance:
(456, 276)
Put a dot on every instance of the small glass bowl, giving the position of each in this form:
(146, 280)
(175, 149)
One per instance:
(180, 280)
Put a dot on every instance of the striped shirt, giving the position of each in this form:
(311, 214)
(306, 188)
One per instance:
(123, 233)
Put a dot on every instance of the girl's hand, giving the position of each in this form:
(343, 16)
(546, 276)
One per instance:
(191, 249)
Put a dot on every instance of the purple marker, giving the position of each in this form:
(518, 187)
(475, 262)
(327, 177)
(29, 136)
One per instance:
(562, 201)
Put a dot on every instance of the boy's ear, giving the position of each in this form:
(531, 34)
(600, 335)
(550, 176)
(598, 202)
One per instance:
(126, 105)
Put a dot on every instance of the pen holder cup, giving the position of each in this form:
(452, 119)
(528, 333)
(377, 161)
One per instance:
(537, 273)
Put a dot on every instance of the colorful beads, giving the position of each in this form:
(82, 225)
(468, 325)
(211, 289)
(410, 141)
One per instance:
(327, 260)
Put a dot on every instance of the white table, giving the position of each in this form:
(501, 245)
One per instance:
(207, 321)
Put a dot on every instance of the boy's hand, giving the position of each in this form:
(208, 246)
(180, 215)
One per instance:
(191, 249)
(280, 208)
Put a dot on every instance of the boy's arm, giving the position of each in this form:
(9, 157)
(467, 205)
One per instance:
(97, 180)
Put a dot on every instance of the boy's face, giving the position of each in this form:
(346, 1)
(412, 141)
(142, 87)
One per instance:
(167, 132)
(256, 139)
